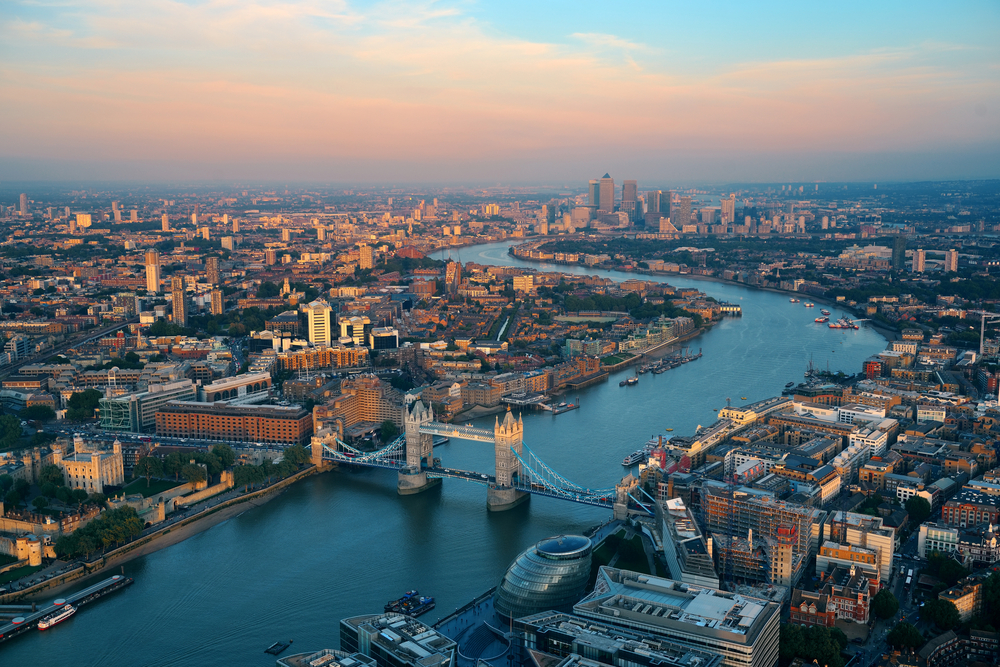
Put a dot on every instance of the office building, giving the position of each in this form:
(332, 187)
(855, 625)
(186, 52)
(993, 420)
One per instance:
(594, 194)
(938, 537)
(684, 546)
(683, 214)
(165, 223)
(270, 257)
(919, 260)
(24, 204)
(951, 261)
(653, 201)
(286, 235)
(355, 327)
(136, 413)
(228, 243)
(365, 398)
(320, 331)
(550, 575)
(212, 270)
(83, 220)
(383, 338)
(321, 233)
(178, 297)
(152, 271)
(898, 252)
(729, 210)
(630, 200)
(134, 217)
(555, 635)
(742, 629)
(271, 424)
(217, 307)
(607, 195)
(236, 225)
(366, 258)
(866, 532)
(395, 640)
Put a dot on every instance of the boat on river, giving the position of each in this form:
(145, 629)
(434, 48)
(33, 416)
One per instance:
(412, 603)
(821, 320)
(57, 617)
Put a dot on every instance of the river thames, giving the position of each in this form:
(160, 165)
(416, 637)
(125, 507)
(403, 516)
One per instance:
(343, 543)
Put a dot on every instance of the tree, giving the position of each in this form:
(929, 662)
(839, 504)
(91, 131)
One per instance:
(173, 463)
(148, 467)
(225, 454)
(41, 413)
(905, 635)
(884, 604)
(82, 404)
(297, 454)
(6, 482)
(941, 613)
(51, 473)
(193, 473)
(388, 431)
(918, 508)
(10, 430)
(40, 503)
(13, 498)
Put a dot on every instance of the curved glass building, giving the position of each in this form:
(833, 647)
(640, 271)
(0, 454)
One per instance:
(551, 575)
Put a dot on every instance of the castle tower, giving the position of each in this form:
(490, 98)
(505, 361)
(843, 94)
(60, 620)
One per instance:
(508, 437)
(419, 452)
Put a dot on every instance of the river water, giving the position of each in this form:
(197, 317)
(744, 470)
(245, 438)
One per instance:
(341, 544)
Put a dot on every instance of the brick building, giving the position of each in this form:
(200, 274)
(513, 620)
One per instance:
(270, 424)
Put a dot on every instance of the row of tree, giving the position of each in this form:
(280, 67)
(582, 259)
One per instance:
(813, 643)
(112, 528)
(180, 465)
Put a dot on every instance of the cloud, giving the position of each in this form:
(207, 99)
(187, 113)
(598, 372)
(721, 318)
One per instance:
(324, 81)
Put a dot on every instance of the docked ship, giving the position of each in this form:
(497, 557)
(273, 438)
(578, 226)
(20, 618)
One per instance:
(57, 617)
(629, 381)
(412, 604)
(822, 320)
(843, 323)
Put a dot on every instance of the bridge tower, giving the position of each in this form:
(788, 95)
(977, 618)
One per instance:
(419, 452)
(508, 438)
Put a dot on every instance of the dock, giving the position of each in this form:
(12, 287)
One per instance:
(23, 624)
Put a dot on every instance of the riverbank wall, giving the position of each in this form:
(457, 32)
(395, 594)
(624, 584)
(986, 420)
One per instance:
(159, 539)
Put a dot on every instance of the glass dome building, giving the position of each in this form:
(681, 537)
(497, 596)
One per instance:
(552, 574)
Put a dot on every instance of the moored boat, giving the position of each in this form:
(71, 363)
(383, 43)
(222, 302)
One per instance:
(412, 603)
(57, 617)
(821, 320)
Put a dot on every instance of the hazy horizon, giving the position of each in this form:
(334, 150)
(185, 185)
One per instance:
(515, 92)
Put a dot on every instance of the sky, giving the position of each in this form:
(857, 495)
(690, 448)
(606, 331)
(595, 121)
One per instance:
(332, 91)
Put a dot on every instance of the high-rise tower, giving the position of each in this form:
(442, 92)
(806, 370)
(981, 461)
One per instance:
(179, 299)
(606, 202)
(24, 204)
(152, 271)
(320, 331)
(212, 270)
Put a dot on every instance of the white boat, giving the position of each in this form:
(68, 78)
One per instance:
(57, 617)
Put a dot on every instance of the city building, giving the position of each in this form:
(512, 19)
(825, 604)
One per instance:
(245, 388)
(571, 637)
(919, 260)
(319, 314)
(971, 508)
(212, 270)
(364, 399)
(549, 575)
(395, 640)
(684, 546)
(355, 328)
(178, 297)
(228, 422)
(951, 261)
(217, 303)
(606, 199)
(867, 532)
(383, 338)
(152, 271)
(742, 629)
(367, 257)
(136, 413)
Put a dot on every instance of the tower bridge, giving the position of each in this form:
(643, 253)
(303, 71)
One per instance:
(518, 472)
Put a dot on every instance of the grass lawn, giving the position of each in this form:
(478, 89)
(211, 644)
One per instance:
(7, 560)
(18, 572)
(611, 361)
(155, 486)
